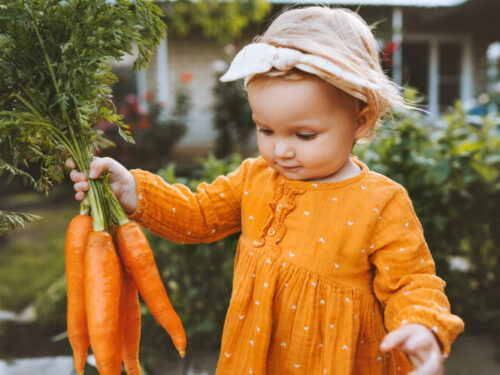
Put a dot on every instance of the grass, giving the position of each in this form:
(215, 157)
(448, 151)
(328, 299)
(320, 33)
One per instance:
(32, 258)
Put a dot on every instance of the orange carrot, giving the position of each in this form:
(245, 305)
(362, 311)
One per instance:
(76, 316)
(104, 295)
(132, 331)
(138, 260)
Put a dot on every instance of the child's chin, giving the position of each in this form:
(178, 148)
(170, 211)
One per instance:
(293, 174)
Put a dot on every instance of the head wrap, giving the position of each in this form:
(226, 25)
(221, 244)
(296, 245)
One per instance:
(257, 58)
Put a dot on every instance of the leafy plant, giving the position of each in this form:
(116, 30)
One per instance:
(232, 117)
(55, 76)
(222, 20)
(11, 220)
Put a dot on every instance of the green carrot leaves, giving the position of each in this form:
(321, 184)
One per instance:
(55, 77)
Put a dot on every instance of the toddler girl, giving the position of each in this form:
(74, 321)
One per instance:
(332, 272)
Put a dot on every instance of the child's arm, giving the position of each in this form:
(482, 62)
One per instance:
(173, 211)
(405, 282)
(121, 181)
(421, 346)
(178, 214)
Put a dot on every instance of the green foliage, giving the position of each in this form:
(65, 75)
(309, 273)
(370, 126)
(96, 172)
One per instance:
(232, 116)
(223, 20)
(50, 307)
(12, 220)
(450, 168)
(31, 259)
(55, 72)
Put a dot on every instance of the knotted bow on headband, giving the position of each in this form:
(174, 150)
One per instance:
(258, 58)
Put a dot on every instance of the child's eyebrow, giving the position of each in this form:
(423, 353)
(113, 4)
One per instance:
(258, 122)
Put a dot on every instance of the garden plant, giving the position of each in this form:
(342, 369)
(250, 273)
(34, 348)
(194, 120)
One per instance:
(55, 73)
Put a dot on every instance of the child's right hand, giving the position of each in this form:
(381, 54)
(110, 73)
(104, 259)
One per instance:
(121, 181)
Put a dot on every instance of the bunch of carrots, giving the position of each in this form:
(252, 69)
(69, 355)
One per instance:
(55, 77)
(103, 277)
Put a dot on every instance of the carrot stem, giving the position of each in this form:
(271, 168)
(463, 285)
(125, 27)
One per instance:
(85, 206)
(117, 211)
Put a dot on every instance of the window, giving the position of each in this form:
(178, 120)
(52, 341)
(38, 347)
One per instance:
(440, 67)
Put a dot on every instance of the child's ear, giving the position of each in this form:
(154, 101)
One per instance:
(365, 121)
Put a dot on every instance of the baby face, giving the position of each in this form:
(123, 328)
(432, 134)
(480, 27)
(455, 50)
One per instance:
(305, 127)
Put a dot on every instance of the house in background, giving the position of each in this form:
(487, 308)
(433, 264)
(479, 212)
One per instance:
(438, 46)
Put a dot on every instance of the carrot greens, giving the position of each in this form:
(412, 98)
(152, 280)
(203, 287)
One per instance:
(55, 77)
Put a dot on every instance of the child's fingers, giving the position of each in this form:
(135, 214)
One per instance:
(77, 176)
(81, 186)
(70, 163)
(80, 195)
(417, 342)
(432, 366)
(415, 359)
(98, 165)
(395, 338)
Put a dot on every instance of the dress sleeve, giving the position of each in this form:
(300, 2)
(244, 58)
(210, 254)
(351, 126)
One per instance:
(405, 281)
(178, 214)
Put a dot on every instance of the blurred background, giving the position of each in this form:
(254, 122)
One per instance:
(191, 128)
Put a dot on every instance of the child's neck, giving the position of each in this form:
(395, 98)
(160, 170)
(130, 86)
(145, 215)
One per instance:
(348, 170)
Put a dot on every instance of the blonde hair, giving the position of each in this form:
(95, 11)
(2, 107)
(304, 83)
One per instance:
(342, 36)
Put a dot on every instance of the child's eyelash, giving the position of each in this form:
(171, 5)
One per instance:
(306, 136)
(264, 130)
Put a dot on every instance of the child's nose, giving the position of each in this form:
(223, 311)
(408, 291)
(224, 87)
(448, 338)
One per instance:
(283, 149)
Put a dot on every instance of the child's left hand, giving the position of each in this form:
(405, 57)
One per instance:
(421, 346)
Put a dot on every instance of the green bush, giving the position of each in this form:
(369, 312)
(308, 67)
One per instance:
(450, 167)
(232, 117)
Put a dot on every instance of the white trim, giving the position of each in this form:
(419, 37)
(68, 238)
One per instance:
(397, 37)
(433, 79)
(396, 3)
(162, 72)
(467, 73)
(141, 81)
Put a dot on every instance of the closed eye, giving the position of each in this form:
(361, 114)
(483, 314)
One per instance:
(306, 136)
(265, 131)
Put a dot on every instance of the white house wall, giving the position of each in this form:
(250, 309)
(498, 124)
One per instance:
(195, 57)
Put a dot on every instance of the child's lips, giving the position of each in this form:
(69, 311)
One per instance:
(290, 168)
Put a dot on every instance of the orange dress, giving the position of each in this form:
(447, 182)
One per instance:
(322, 272)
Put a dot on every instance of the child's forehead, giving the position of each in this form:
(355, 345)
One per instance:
(303, 85)
(278, 99)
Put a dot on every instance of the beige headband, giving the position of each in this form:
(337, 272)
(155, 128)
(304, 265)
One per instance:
(259, 58)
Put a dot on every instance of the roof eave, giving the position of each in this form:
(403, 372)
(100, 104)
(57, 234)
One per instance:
(391, 3)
